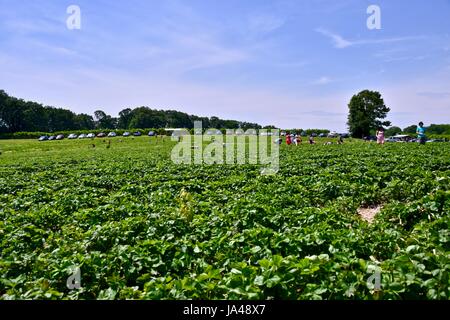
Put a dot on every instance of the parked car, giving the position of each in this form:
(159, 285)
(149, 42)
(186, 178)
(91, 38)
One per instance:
(303, 134)
(212, 132)
(313, 134)
(82, 136)
(436, 140)
(52, 138)
(137, 134)
(60, 137)
(370, 138)
(72, 136)
(43, 138)
(126, 134)
(345, 135)
(101, 135)
(112, 134)
(391, 139)
(151, 134)
(399, 138)
(332, 135)
(90, 135)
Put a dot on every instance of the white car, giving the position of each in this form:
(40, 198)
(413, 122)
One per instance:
(90, 136)
(333, 135)
(82, 136)
(126, 134)
(112, 134)
(72, 136)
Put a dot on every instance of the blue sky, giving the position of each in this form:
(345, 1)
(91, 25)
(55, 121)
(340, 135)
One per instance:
(290, 63)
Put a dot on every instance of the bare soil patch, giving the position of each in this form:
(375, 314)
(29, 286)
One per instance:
(369, 213)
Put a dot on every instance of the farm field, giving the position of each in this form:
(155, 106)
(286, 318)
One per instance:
(140, 227)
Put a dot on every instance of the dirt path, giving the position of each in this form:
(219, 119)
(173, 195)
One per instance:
(369, 214)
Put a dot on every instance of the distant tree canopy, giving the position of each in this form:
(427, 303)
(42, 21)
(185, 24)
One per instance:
(366, 112)
(17, 115)
(392, 131)
(411, 129)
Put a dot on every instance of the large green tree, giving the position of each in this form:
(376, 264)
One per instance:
(366, 113)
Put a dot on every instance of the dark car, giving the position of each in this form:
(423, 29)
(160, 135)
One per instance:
(151, 134)
(52, 138)
(345, 135)
(370, 138)
(313, 134)
(101, 135)
(43, 138)
(137, 134)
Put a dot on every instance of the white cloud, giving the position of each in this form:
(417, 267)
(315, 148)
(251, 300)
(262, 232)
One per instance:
(341, 43)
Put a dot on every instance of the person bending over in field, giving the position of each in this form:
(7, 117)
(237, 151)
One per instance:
(288, 139)
(421, 133)
(380, 136)
(340, 140)
(311, 140)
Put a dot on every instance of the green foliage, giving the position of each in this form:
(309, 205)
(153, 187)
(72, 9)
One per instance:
(17, 115)
(392, 131)
(141, 227)
(366, 111)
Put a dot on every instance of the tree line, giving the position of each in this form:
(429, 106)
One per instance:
(18, 115)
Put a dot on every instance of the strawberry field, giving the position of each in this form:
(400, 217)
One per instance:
(140, 227)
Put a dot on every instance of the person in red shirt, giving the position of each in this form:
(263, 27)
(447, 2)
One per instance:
(288, 139)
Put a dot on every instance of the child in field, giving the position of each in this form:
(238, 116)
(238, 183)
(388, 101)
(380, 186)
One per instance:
(380, 136)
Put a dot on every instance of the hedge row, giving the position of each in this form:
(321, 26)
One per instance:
(36, 135)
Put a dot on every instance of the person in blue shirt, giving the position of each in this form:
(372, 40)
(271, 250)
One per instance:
(421, 133)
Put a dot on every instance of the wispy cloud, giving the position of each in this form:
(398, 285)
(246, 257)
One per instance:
(341, 43)
(322, 81)
(265, 23)
(434, 95)
(338, 41)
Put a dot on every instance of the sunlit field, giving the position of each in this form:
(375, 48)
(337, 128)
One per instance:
(141, 227)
